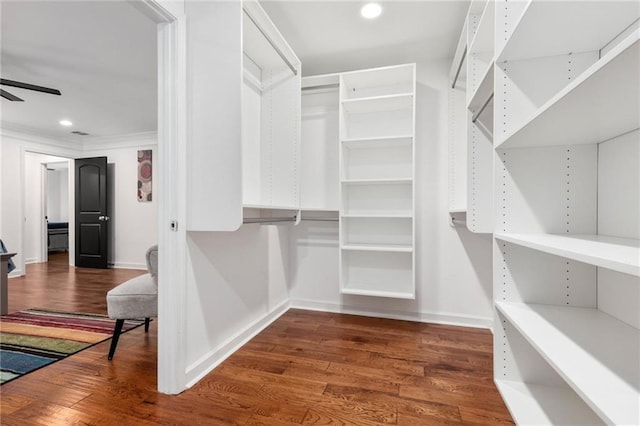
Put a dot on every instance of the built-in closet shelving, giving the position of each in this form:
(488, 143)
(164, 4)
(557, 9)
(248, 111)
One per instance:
(471, 120)
(567, 210)
(377, 227)
(245, 153)
(270, 115)
(320, 178)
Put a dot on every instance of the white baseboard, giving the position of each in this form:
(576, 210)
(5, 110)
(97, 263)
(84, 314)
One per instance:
(32, 260)
(126, 265)
(196, 371)
(426, 317)
(16, 273)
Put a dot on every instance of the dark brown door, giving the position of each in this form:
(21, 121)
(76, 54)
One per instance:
(92, 222)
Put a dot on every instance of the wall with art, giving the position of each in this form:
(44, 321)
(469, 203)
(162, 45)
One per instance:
(133, 223)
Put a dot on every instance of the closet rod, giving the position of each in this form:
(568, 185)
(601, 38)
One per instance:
(268, 219)
(458, 221)
(455, 79)
(475, 116)
(322, 86)
(321, 219)
(273, 44)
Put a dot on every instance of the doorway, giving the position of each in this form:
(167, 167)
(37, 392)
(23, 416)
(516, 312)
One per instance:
(48, 199)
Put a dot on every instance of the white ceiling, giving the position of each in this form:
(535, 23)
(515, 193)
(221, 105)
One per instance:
(102, 54)
(331, 36)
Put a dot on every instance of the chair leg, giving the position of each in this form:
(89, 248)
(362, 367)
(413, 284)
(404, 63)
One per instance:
(146, 324)
(116, 335)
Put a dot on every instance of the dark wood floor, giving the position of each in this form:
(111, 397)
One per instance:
(306, 368)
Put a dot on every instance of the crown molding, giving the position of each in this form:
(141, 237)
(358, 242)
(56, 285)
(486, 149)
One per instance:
(36, 141)
(132, 140)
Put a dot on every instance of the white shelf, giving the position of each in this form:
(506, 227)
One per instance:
(377, 215)
(600, 104)
(532, 404)
(378, 103)
(596, 354)
(268, 207)
(482, 41)
(377, 293)
(382, 142)
(311, 209)
(378, 81)
(484, 90)
(569, 26)
(458, 211)
(390, 181)
(618, 254)
(378, 247)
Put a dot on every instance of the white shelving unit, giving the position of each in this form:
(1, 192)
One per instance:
(244, 147)
(377, 114)
(567, 211)
(617, 254)
(584, 103)
(479, 118)
(271, 110)
(572, 340)
(320, 176)
(471, 121)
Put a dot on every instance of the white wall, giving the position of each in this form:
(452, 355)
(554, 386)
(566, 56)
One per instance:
(453, 266)
(57, 195)
(237, 284)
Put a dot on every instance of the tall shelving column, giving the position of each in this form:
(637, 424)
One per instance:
(567, 211)
(377, 190)
(480, 69)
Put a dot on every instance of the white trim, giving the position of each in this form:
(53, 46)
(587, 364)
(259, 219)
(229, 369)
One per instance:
(172, 138)
(129, 265)
(133, 140)
(32, 260)
(16, 273)
(42, 145)
(33, 135)
(425, 317)
(215, 357)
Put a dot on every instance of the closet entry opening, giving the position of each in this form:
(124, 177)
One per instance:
(270, 103)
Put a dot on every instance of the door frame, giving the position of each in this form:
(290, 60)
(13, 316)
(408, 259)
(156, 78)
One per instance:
(38, 149)
(44, 202)
(172, 136)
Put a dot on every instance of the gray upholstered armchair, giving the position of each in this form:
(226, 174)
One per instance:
(134, 299)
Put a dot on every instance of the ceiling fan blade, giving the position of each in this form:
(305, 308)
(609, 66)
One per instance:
(9, 96)
(27, 86)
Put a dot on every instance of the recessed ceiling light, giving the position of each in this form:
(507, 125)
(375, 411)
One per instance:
(371, 10)
(66, 123)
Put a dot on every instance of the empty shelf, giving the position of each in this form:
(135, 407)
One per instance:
(382, 142)
(532, 404)
(618, 254)
(378, 247)
(602, 103)
(568, 27)
(378, 103)
(596, 354)
(389, 181)
(377, 293)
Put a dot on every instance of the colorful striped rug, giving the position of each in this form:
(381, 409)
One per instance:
(34, 338)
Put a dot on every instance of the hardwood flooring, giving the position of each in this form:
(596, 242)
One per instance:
(306, 368)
